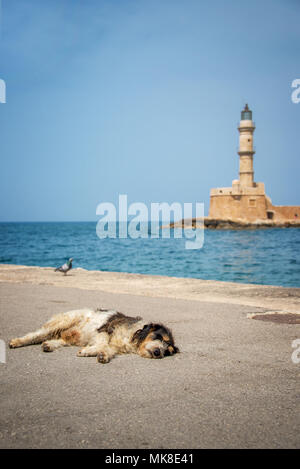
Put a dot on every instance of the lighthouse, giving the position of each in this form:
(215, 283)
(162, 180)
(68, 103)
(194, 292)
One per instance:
(246, 129)
(246, 200)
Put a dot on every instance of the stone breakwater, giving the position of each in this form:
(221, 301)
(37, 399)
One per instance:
(232, 224)
(269, 297)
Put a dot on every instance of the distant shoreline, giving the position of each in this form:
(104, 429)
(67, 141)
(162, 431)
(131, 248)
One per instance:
(231, 224)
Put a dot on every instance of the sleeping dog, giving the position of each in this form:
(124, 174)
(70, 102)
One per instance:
(102, 334)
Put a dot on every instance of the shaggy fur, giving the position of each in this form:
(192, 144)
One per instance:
(102, 334)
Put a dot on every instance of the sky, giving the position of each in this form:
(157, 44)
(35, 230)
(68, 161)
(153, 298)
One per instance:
(143, 97)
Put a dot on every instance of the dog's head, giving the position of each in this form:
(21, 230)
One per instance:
(154, 341)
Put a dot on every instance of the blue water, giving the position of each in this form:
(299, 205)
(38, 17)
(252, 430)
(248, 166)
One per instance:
(269, 257)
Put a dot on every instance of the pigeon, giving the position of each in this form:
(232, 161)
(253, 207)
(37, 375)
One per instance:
(66, 267)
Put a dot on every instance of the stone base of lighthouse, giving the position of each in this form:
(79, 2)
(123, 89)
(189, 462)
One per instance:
(238, 202)
(249, 204)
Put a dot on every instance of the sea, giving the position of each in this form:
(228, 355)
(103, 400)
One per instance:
(263, 256)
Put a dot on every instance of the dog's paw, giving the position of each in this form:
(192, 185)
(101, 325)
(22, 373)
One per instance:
(102, 357)
(46, 347)
(14, 343)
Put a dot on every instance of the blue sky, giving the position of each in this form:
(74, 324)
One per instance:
(143, 97)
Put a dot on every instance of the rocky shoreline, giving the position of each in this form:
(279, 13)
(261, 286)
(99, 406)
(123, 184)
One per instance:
(232, 224)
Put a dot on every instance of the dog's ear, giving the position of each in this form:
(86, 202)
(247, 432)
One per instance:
(141, 334)
(148, 327)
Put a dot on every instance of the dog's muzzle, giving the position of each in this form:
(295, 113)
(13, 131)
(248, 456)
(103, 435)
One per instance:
(157, 353)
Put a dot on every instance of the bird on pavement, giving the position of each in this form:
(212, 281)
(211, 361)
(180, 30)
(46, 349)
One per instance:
(65, 267)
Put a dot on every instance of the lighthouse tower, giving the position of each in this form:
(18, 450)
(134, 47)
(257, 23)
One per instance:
(246, 129)
(246, 200)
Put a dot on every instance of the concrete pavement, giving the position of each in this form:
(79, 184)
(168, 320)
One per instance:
(233, 385)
